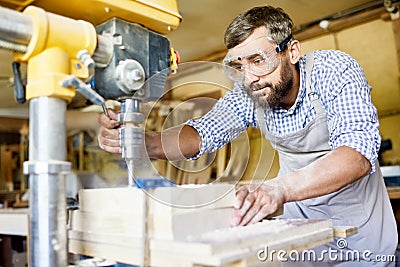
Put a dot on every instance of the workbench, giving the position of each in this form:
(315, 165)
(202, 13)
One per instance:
(174, 237)
(13, 230)
(110, 225)
(14, 221)
(394, 192)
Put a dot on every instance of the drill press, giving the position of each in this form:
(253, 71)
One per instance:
(64, 54)
(138, 55)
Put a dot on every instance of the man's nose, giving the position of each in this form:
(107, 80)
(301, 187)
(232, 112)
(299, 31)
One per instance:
(250, 78)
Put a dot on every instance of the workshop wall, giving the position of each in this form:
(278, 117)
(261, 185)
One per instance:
(390, 130)
(374, 45)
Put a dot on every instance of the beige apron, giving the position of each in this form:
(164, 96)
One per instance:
(363, 203)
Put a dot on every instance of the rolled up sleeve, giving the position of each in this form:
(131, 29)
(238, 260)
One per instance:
(224, 122)
(352, 117)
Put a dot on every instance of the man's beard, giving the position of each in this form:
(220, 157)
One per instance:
(278, 91)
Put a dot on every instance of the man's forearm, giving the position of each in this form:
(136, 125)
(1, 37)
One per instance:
(177, 143)
(328, 174)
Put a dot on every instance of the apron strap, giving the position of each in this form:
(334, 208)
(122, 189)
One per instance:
(309, 67)
(310, 91)
(316, 103)
(261, 121)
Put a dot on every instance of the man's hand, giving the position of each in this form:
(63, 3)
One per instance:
(327, 174)
(108, 136)
(176, 143)
(255, 202)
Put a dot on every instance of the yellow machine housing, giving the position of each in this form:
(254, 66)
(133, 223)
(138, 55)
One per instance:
(161, 16)
(52, 53)
(61, 45)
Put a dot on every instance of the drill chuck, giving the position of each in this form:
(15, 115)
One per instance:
(131, 141)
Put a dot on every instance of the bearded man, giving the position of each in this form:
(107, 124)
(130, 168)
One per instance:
(317, 112)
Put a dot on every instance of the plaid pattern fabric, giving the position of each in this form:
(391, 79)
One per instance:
(340, 84)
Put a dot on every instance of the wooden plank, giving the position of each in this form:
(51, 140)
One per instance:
(103, 250)
(128, 223)
(340, 24)
(248, 256)
(235, 252)
(175, 199)
(394, 192)
(112, 200)
(273, 232)
(121, 248)
(122, 240)
(396, 32)
(298, 243)
(267, 231)
(9, 170)
(344, 231)
(184, 198)
(14, 222)
(23, 150)
(6, 166)
(175, 213)
(181, 225)
(121, 210)
(3, 169)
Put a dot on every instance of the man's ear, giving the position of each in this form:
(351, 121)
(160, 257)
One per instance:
(294, 51)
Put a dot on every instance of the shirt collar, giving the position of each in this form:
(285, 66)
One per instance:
(300, 95)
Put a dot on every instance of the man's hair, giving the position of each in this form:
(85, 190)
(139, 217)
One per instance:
(277, 22)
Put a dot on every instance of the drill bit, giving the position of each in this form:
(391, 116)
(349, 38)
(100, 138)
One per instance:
(105, 110)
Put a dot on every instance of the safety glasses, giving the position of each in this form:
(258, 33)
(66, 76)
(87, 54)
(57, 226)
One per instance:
(257, 62)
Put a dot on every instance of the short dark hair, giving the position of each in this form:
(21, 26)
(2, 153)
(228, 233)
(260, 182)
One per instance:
(278, 24)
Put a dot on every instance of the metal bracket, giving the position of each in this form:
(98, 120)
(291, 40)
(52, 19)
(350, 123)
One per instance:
(46, 167)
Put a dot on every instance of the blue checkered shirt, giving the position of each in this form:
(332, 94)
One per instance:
(340, 84)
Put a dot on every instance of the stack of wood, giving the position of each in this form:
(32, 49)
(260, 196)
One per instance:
(13, 199)
(118, 223)
(180, 226)
(241, 246)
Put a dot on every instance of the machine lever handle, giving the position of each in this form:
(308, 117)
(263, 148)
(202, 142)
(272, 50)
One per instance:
(87, 91)
(19, 87)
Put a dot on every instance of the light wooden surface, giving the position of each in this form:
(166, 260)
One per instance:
(110, 224)
(344, 231)
(394, 192)
(238, 246)
(7, 166)
(225, 247)
(14, 222)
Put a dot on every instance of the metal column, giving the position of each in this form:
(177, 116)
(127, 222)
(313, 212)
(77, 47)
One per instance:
(47, 168)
